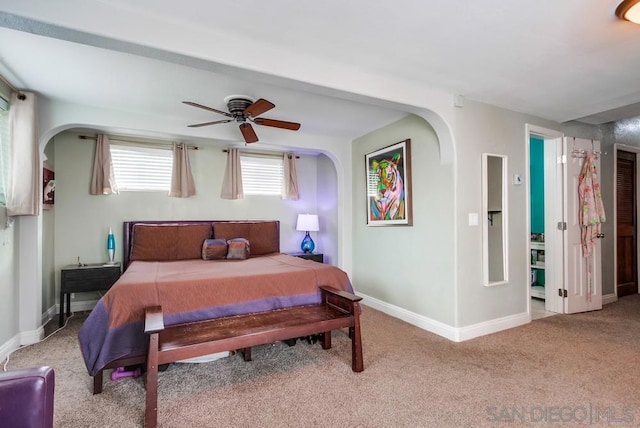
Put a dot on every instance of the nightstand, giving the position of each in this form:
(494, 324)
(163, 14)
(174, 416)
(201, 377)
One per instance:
(89, 277)
(316, 257)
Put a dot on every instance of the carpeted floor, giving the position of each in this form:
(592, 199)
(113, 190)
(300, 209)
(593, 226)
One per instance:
(574, 369)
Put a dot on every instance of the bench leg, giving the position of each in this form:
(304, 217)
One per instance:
(326, 340)
(97, 383)
(357, 363)
(246, 353)
(151, 407)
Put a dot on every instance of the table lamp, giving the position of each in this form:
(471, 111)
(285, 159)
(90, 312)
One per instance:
(111, 246)
(307, 223)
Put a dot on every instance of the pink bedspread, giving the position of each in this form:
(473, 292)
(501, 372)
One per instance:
(192, 290)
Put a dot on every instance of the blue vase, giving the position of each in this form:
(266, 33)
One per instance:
(307, 244)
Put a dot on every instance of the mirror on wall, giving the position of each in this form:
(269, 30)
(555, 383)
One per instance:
(494, 209)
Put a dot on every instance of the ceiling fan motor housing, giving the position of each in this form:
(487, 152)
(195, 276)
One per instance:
(237, 106)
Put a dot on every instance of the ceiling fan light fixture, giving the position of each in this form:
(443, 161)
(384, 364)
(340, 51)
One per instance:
(629, 10)
(243, 110)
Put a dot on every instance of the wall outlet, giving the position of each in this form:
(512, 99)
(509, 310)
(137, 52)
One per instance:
(73, 296)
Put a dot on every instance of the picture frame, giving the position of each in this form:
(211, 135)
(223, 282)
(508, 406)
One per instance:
(388, 178)
(48, 187)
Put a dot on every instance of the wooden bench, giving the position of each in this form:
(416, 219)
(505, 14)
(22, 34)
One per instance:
(337, 310)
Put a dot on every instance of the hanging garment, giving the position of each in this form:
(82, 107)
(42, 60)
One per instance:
(591, 214)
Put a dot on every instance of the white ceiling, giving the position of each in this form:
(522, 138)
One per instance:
(559, 60)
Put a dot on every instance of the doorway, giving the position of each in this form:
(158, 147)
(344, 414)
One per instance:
(626, 223)
(545, 202)
(572, 268)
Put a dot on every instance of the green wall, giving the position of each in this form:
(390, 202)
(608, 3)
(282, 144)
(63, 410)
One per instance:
(409, 267)
(537, 184)
(536, 159)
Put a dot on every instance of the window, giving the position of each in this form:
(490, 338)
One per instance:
(141, 168)
(4, 148)
(262, 174)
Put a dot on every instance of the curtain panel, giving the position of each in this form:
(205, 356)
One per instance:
(290, 190)
(182, 184)
(24, 185)
(103, 180)
(232, 183)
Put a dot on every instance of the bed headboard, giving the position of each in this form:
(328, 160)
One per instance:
(264, 235)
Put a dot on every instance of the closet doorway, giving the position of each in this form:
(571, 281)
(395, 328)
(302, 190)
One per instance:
(545, 206)
(626, 223)
(572, 281)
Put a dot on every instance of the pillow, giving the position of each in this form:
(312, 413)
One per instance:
(170, 241)
(238, 249)
(263, 235)
(213, 249)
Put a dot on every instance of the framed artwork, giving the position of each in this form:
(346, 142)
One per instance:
(48, 187)
(389, 185)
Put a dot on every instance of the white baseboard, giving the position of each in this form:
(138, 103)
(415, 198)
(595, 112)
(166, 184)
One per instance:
(24, 338)
(34, 336)
(49, 314)
(455, 334)
(9, 346)
(425, 323)
(609, 298)
(78, 306)
(83, 305)
(492, 326)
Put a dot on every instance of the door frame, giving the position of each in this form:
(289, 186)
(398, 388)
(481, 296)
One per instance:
(553, 302)
(636, 150)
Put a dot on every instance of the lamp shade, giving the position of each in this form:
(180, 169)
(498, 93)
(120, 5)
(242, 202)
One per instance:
(629, 10)
(307, 223)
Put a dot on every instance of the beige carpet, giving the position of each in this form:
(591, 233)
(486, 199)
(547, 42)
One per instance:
(576, 369)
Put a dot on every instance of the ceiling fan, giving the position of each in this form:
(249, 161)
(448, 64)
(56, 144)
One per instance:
(245, 110)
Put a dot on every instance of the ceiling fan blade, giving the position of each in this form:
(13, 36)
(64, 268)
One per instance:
(197, 125)
(277, 123)
(191, 103)
(248, 133)
(258, 107)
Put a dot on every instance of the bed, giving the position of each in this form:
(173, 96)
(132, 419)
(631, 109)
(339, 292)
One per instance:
(180, 266)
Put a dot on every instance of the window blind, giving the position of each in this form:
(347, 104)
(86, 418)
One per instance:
(262, 175)
(141, 168)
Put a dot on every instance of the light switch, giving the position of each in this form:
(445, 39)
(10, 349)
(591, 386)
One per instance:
(473, 219)
(517, 179)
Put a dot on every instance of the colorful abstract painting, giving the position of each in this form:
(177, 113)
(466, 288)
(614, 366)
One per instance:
(389, 186)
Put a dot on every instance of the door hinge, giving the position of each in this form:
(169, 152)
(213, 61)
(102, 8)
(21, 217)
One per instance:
(562, 225)
(562, 293)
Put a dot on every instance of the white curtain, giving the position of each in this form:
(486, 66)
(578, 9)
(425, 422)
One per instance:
(232, 183)
(182, 185)
(290, 190)
(103, 180)
(24, 184)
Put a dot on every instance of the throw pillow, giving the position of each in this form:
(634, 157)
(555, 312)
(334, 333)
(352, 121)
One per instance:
(213, 249)
(238, 248)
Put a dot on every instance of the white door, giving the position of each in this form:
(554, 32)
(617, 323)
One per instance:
(583, 281)
(554, 209)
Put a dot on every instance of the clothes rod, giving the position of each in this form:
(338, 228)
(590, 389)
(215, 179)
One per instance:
(117, 140)
(21, 96)
(272, 154)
